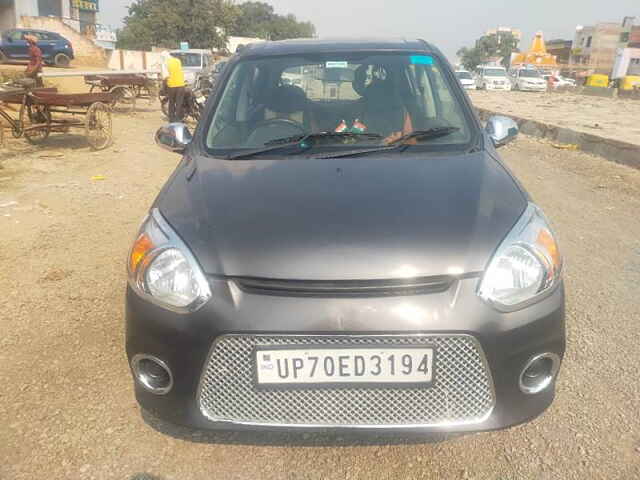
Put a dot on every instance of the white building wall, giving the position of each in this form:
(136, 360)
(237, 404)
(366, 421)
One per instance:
(27, 8)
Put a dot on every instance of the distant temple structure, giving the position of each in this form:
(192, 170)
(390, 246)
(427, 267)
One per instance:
(537, 56)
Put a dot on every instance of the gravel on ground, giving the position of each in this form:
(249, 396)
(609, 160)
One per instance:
(67, 411)
(614, 118)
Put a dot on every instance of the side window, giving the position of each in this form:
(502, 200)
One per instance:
(424, 92)
(447, 101)
(17, 35)
(226, 111)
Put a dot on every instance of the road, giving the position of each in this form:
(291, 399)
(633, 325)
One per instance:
(67, 409)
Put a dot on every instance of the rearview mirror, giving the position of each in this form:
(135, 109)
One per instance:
(173, 137)
(501, 130)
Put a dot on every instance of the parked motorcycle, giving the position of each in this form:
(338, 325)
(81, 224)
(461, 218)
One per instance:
(193, 103)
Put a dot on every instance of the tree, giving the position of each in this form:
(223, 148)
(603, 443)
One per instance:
(470, 57)
(258, 19)
(489, 46)
(166, 23)
(204, 23)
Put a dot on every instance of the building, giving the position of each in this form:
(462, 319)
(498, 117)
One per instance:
(634, 37)
(80, 15)
(595, 48)
(627, 62)
(502, 31)
(537, 56)
(561, 49)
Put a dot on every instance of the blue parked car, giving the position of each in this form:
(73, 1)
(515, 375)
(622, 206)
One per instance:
(56, 50)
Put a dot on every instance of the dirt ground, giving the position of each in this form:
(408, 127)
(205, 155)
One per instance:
(67, 411)
(614, 118)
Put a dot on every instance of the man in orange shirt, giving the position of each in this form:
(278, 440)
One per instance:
(34, 68)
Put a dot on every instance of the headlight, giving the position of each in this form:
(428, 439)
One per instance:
(526, 265)
(163, 270)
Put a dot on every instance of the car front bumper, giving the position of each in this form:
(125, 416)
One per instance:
(533, 88)
(506, 88)
(184, 343)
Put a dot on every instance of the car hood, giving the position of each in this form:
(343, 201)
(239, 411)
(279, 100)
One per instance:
(368, 217)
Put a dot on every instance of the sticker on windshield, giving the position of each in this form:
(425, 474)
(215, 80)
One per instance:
(337, 65)
(421, 60)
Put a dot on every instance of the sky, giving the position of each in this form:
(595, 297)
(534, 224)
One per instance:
(447, 24)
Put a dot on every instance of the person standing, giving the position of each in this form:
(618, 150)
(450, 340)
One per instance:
(34, 68)
(174, 77)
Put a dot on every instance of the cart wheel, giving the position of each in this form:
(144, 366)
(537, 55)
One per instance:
(124, 99)
(152, 90)
(97, 126)
(40, 124)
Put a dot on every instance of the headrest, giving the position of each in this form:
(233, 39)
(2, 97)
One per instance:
(287, 99)
(381, 95)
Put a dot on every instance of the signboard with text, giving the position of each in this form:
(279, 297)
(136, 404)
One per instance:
(87, 5)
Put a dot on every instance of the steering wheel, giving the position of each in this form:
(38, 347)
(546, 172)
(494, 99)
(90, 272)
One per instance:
(268, 130)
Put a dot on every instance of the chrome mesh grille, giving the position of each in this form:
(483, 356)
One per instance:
(462, 392)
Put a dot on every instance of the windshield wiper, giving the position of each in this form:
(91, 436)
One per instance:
(313, 136)
(284, 142)
(398, 143)
(429, 134)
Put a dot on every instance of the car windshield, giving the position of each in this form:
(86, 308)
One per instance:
(188, 59)
(383, 95)
(529, 74)
(464, 75)
(494, 72)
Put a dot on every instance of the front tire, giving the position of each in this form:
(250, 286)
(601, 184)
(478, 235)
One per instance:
(164, 106)
(61, 60)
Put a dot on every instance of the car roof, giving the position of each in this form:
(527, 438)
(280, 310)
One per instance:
(34, 30)
(330, 45)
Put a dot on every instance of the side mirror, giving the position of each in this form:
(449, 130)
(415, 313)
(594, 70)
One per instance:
(173, 137)
(501, 130)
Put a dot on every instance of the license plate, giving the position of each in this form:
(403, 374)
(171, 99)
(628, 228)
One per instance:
(342, 366)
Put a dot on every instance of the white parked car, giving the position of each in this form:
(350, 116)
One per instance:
(565, 82)
(195, 62)
(528, 80)
(493, 78)
(465, 79)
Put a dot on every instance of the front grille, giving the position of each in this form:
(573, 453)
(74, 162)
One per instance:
(348, 288)
(462, 392)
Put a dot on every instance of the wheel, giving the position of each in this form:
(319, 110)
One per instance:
(97, 126)
(164, 106)
(40, 124)
(152, 90)
(124, 99)
(61, 60)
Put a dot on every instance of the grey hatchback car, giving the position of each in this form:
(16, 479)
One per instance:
(342, 248)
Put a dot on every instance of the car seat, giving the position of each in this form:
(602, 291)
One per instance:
(381, 108)
(291, 103)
